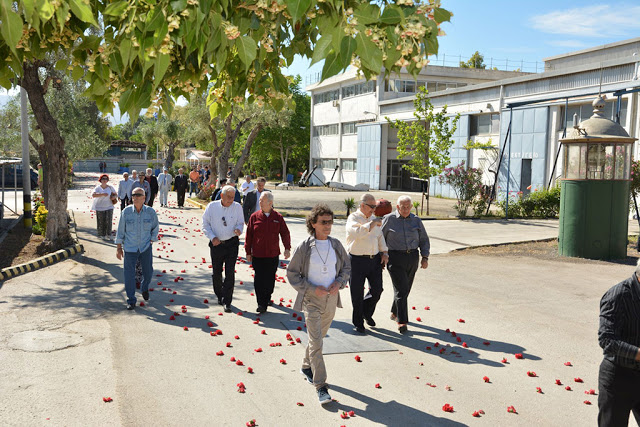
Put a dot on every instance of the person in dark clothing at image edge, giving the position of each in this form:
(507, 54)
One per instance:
(180, 184)
(619, 337)
(153, 185)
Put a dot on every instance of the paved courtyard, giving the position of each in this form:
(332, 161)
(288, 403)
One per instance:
(66, 341)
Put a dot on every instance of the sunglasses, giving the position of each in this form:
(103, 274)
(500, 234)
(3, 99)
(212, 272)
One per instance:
(137, 195)
(224, 221)
(326, 222)
(371, 206)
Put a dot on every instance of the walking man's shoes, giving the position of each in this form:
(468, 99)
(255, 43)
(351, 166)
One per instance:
(360, 329)
(402, 329)
(323, 395)
(308, 374)
(370, 321)
(261, 309)
(227, 308)
(145, 295)
(220, 301)
(130, 306)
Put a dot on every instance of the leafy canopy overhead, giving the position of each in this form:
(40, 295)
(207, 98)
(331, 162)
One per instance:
(148, 52)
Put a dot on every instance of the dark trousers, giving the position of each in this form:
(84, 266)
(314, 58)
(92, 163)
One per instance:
(152, 197)
(402, 268)
(104, 220)
(264, 278)
(124, 202)
(181, 197)
(225, 254)
(365, 268)
(619, 394)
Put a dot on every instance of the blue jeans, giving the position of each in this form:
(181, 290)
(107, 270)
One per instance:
(130, 259)
(193, 188)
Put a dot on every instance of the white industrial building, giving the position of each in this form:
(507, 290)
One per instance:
(352, 142)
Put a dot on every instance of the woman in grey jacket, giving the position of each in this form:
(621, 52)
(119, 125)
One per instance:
(319, 268)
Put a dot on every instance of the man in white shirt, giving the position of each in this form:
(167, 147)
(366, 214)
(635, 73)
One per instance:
(252, 199)
(247, 185)
(368, 253)
(164, 185)
(124, 190)
(222, 223)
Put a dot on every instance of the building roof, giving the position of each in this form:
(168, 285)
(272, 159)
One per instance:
(128, 144)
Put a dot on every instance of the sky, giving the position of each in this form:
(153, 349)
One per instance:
(522, 33)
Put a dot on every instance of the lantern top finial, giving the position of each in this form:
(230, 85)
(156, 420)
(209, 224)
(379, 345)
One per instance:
(598, 107)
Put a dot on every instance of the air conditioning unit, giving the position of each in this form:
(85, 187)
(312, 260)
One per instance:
(336, 103)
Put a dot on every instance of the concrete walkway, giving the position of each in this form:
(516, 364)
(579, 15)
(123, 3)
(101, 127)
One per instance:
(66, 341)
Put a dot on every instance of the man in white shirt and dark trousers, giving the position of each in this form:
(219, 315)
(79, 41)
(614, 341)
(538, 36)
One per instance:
(251, 202)
(222, 223)
(368, 253)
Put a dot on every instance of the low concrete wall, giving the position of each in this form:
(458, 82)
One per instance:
(113, 165)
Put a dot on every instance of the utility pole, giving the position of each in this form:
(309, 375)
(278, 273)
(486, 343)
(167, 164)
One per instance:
(26, 170)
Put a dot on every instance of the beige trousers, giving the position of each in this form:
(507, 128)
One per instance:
(318, 314)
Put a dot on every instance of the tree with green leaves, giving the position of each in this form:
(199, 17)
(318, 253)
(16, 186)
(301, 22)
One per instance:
(145, 54)
(476, 61)
(164, 134)
(426, 141)
(289, 134)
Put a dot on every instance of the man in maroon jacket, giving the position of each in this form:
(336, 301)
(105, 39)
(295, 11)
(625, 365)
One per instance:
(263, 248)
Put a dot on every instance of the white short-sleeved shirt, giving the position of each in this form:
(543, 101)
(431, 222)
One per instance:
(246, 187)
(103, 203)
(322, 264)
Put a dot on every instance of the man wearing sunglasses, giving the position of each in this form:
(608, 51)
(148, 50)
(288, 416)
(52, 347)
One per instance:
(137, 229)
(222, 223)
(368, 253)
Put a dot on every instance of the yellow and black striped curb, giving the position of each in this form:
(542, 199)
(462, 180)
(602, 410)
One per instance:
(197, 204)
(49, 259)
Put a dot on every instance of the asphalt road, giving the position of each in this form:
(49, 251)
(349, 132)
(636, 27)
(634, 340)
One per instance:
(66, 341)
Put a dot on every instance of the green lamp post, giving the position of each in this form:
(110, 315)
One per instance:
(594, 201)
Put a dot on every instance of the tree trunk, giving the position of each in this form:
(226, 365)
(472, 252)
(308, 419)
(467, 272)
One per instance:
(42, 155)
(55, 163)
(171, 153)
(284, 157)
(213, 164)
(231, 134)
(246, 150)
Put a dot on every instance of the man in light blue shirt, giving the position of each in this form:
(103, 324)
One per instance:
(222, 223)
(124, 190)
(138, 227)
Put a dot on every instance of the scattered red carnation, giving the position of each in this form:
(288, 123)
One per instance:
(519, 356)
(447, 408)
(486, 379)
(358, 359)
(511, 410)
(107, 399)
(378, 385)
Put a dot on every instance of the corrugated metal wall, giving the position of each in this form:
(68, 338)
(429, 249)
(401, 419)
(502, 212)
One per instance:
(368, 167)
(458, 155)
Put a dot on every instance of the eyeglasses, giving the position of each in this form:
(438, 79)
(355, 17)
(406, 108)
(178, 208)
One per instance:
(371, 206)
(224, 221)
(326, 221)
(137, 195)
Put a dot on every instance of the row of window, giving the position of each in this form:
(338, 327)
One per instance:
(585, 111)
(359, 89)
(412, 86)
(346, 164)
(485, 124)
(329, 96)
(325, 130)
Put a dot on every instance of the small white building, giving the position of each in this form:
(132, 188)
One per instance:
(352, 141)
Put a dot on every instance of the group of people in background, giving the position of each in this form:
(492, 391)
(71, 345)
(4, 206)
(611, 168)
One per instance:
(320, 266)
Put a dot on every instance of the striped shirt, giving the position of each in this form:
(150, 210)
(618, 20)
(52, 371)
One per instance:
(619, 332)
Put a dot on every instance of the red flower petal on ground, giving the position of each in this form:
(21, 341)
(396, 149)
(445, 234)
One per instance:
(413, 308)
(258, 350)
(578, 380)
(447, 408)
(591, 391)
(427, 308)
(264, 332)
(233, 359)
(586, 402)
(486, 379)
(567, 364)
(464, 344)
(220, 314)
(141, 303)
(239, 363)
(539, 390)
(237, 337)
(558, 382)
(511, 410)
(206, 301)
(283, 362)
(567, 388)
(220, 353)
(255, 322)
(344, 415)
(476, 414)
(206, 317)
(218, 332)
(531, 374)
(228, 344)
(172, 317)
(458, 339)
(209, 324)
(107, 399)
(428, 348)
(300, 404)
(504, 360)
(519, 356)
(171, 300)
(185, 328)
(418, 319)
(358, 359)
(378, 385)
(298, 340)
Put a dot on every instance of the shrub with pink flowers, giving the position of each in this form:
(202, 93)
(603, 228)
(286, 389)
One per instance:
(466, 183)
